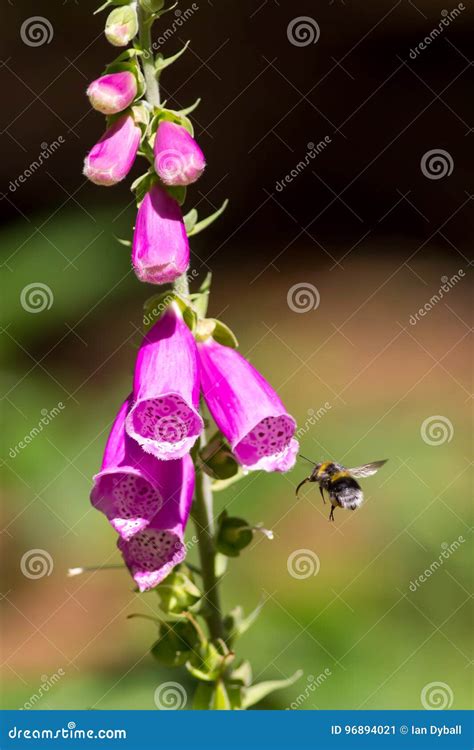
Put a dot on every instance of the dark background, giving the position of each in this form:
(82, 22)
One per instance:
(364, 226)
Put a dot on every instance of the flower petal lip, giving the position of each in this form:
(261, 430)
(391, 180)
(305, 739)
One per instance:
(151, 554)
(178, 158)
(113, 92)
(160, 252)
(128, 488)
(164, 418)
(246, 409)
(112, 157)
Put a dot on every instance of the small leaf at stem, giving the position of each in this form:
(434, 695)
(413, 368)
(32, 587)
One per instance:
(256, 693)
(162, 62)
(201, 225)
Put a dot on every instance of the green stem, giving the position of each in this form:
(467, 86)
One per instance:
(148, 59)
(203, 516)
(202, 511)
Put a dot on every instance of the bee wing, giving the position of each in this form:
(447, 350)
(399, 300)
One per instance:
(367, 469)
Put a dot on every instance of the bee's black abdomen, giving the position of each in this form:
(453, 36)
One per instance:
(346, 491)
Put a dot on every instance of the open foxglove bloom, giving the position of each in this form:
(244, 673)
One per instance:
(150, 555)
(129, 486)
(246, 409)
(112, 157)
(160, 250)
(112, 93)
(178, 158)
(164, 418)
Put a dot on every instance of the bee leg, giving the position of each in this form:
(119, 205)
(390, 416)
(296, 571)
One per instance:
(308, 479)
(331, 515)
(322, 494)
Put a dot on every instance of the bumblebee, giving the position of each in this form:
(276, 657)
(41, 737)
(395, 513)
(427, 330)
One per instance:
(340, 483)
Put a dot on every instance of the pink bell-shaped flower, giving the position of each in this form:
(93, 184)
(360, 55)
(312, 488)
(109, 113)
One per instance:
(150, 555)
(112, 157)
(113, 93)
(178, 158)
(160, 250)
(246, 409)
(164, 418)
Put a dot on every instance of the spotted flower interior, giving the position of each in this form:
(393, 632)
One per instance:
(129, 501)
(270, 437)
(165, 426)
(150, 555)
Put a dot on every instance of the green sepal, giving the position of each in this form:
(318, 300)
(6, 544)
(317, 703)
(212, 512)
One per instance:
(242, 674)
(109, 3)
(219, 331)
(256, 693)
(178, 592)
(205, 664)
(155, 306)
(142, 185)
(233, 535)
(218, 459)
(236, 624)
(175, 644)
(235, 694)
(178, 192)
(190, 220)
(152, 6)
(162, 62)
(125, 243)
(171, 115)
(141, 116)
(188, 110)
(221, 700)
(204, 223)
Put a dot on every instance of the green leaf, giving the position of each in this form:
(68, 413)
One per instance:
(236, 624)
(178, 192)
(206, 664)
(224, 335)
(152, 6)
(256, 693)
(190, 219)
(201, 225)
(175, 644)
(162, 62)
(242, 674)
(108, 3)
(142, 185)
(190, 109)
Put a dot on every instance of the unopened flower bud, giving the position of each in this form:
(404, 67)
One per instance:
(112, 93)
(121, 26)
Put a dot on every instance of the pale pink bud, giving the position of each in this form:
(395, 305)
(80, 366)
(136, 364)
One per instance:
(112, 93)
(178, 158)
(111, 159)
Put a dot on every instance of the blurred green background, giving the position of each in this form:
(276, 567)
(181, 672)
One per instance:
(376, 379)
(363, 225)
